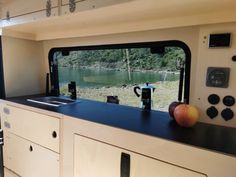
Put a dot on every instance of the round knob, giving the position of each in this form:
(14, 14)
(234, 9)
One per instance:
(212, 112)
(227, 114)
(54, 134)
(213, 99)
(229, 101)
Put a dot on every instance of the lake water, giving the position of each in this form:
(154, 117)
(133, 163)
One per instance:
(86, 77)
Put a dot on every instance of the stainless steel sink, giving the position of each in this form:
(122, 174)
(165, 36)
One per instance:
(52, 101)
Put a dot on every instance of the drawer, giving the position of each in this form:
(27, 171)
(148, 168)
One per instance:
(28, 159)
(96, 159)
(36, 127)
(8, 173)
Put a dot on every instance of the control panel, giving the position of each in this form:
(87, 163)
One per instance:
(215, 84)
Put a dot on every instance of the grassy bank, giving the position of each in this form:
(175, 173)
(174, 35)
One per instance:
(165, 93)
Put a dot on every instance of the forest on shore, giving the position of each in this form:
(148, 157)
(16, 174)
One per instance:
(135, 59)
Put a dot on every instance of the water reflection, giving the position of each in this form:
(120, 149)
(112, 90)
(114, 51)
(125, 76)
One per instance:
(86, 77)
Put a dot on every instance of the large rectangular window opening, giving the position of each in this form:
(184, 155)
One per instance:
(114, 70)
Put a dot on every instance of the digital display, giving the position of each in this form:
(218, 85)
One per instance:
(219, 40)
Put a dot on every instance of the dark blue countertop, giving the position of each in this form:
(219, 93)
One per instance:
(153, 123)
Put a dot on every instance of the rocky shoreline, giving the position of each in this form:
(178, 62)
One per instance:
(165, 93)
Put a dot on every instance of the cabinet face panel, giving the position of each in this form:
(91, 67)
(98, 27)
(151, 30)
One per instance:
(8, 173)
(95, 2)
(83, 5)
(94, 159)
(97, 159)
(146, 167)
(22, 7)
(28, 159)
(33, 126)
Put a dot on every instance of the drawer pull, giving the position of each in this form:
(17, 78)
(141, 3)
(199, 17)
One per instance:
(31, 149)
(125, 165)
(54, 134)
(1, 142)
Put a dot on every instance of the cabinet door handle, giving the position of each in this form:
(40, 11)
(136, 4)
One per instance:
(31, 148)
(54, 134)
(1, 137)
(125, 165)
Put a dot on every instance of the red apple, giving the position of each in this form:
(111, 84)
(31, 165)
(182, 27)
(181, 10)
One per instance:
(172, 107)
(186, 115)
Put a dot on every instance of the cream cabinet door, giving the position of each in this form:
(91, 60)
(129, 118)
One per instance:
(94, 159)
(8, 173)
(16, 12)
(142, 166)
(97, 159)
(28, 159)
(80, 6)
(24, 7)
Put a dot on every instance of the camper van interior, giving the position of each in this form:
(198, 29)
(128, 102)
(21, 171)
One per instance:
(118, 88)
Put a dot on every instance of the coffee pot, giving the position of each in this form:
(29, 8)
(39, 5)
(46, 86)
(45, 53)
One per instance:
(147, 91)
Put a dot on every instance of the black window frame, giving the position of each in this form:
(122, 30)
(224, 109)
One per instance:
(2, 83)
(53, 67)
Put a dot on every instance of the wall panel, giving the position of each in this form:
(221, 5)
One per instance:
(23, 66)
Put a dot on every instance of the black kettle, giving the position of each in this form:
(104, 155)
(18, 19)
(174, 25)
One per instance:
(146, 93)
